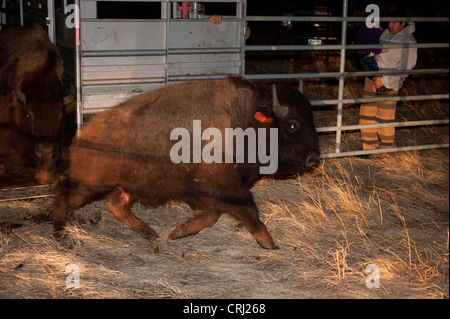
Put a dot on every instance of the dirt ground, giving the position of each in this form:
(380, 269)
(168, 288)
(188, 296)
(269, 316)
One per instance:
(374, 227)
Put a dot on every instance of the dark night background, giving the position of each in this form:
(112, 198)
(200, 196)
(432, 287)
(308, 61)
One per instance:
(425, 31)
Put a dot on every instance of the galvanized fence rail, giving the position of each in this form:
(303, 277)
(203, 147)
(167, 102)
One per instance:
(339, 128)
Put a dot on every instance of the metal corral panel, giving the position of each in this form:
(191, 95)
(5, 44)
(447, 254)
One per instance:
(121, 57)
(196, 34)
(118, 35)
(194, 47)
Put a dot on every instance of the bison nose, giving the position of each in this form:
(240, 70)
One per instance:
(312, 159)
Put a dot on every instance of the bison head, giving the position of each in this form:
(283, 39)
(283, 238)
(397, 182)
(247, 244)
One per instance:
(298, 143)
(39, 106)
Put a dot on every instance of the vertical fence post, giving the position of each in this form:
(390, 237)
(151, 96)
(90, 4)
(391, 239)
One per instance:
(21, 12)
(341, 76)
(79, 116)
(167, 17)
(51, 20)
(241, 13)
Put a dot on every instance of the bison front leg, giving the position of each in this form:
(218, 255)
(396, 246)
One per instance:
(119, 204)
(195, 225)
(246, 214)
(249, 217)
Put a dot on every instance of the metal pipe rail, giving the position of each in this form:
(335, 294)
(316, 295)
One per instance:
(385, 150)
(329, 47)
(391, 124)
(341, 19)
(381, 99)
(338, 74)
(342, 75)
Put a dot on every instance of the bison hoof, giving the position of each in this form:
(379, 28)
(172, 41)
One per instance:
(44, 177)
(264, 239)
(183, 230)
(177, 233)
(268, 245)
(59, 235)
(148, 234)
(58, 230)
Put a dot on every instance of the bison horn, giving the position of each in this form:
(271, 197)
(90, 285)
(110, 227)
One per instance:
(19, 94)
(278, 110)
(69, 97)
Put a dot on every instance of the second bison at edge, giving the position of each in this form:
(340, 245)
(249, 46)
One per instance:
(123, 154)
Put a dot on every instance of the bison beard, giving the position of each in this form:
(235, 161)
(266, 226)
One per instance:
(123, 154)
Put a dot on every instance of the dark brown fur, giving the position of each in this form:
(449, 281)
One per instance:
(31, 99)
(123, 155)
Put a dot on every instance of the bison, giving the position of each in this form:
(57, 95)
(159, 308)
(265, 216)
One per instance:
(32, 99)
(123, 154)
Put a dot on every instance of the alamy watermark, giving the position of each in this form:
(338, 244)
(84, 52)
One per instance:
(373, 279)
(373, 19)
(73, 279)
(73, 16)
(221, 150)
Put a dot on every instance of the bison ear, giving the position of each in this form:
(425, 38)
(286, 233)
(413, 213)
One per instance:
(263, 118)
(278, 110)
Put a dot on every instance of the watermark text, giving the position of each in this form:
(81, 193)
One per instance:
(230, 149)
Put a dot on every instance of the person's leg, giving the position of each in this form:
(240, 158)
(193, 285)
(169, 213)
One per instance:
(368, 115)
(386, 114)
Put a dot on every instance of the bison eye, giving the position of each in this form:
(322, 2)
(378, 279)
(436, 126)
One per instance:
(293, 125)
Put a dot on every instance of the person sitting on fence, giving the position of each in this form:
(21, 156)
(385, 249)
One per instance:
(404, 58)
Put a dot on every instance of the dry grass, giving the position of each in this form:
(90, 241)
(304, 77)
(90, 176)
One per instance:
(330, 224)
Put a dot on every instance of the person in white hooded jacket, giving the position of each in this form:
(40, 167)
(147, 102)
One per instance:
(397, 58)
(404, 58)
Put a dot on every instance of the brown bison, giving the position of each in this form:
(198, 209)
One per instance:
(31, 99)
(132, 153)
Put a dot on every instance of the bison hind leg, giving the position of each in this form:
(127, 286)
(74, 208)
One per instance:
(119, 203)
(69, 196)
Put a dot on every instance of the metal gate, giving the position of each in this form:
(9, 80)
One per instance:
(340, 102)
(119, 58)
